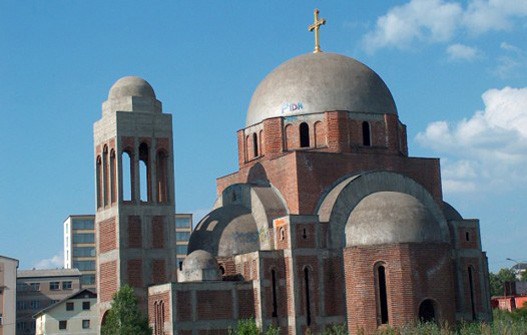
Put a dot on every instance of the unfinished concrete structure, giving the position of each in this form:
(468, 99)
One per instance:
(328, 219)
(134, 221)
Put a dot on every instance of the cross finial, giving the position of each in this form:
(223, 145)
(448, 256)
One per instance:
(315, 26)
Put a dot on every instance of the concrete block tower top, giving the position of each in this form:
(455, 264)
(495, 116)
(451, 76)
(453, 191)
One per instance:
(132, 94)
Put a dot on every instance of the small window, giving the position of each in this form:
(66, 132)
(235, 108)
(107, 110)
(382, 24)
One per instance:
(85, 305)
(304, 135)
(63, 324)
(282, 234)
(366, 134)
(467, 236)
(85, 324)
(54, 286)
(34, 287)
(66, 285)
(1, 291)
(1, 319)
(70, 306)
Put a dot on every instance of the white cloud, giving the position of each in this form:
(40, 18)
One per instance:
(54, 262)
(462, 52)
(490, 148)
(482, 16)
(511, 62)
(433, 21)
(424, 20)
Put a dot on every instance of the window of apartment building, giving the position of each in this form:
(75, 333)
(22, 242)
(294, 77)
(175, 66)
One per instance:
(84, 265)
(1, 319)
(84, 251)
(83, 238)
(34, 304)
(34, 287)
(85, 324)
(70, 306)
(66, 285)
(88, 279)
(86, 305)
(183, 222)
(82, 224)
(54, 285)
(63, 324)
(182, 236)
(181, 249)
(1, 291)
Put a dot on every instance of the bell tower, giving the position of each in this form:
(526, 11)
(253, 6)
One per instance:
(134, 192)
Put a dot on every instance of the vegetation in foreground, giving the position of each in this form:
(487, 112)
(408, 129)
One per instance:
(505, 323)
(124, 317)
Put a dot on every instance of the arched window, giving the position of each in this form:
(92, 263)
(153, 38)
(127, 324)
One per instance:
(112, 177)
(106, 176)
(255, 145)
(144, 173)
(159, 317)
(274, 292)
(366, 134)
(162, 178)
(307, 301)
(427, 311)
(471, 289)
(127, 176)
(304, 135)
(99, 181)
(382, 294)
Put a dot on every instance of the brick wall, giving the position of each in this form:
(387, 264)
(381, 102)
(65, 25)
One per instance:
(414, 272)
(135, 272)
(135, 235)
(158, 271)
(158, 234)
(107, 235)
(107, 280)
(212, 305)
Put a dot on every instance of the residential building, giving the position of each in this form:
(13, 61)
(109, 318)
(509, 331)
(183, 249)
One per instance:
(38, 289)
(8, 268)
(79, 247)
(76, 314)
(183, 230)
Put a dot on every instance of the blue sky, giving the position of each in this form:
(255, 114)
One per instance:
(457, 70)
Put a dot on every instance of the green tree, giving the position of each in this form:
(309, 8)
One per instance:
(497, 281)
(124, 317)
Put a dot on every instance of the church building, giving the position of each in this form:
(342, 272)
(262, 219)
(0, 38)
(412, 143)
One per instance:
(327, 221)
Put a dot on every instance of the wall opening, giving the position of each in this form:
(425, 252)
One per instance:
(106, 176)
(471, 288)
(382, 295)
(275, 302)
(308, 302)
(144, 173)
(427, 311)
(99, 181)
(467, 236)
(366, 134)
(255, 145)
(127, 176)
(304, 135)
(162, 178)
(159, 318)
(112, 177)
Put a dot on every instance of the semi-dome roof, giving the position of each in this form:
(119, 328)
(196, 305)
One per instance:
(319, 82)
(389, 218)
(131, 86)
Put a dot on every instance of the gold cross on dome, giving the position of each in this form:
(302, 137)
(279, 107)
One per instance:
(315, 26)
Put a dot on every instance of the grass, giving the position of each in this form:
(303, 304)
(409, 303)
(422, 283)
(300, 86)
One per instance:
(505, 323)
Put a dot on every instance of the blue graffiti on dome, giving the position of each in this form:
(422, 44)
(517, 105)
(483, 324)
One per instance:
(291, 107)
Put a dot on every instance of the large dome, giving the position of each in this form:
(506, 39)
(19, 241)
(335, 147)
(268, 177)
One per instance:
(391, 217)
(319, 82)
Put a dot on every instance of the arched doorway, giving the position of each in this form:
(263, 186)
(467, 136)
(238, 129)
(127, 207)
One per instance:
(427, 311)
